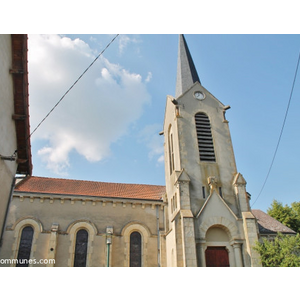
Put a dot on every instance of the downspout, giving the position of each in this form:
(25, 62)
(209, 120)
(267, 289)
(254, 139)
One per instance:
(109, 232)
(7, 208)
(158, 237)
(108, 250)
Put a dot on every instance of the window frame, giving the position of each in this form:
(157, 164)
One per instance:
(18, 228)
(72, 231)
(145, 234)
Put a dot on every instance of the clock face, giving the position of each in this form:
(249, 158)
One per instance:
(199, 95)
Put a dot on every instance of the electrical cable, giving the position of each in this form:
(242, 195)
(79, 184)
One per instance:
(72, 86)
(279, 139)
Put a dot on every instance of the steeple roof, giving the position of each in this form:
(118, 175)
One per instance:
(186, 72)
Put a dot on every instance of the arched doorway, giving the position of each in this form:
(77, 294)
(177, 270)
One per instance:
(216, 253)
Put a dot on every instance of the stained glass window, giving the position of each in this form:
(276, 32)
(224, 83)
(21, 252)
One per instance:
(135, 249)
(81, 248)
(25, 247)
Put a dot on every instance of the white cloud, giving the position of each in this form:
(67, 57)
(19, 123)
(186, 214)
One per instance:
(124, 41)
(149, 77)
(154, 142)
(93, 115)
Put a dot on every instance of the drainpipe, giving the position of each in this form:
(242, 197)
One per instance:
(108, 242)
(158, 237)
(7, 207)
(109, 232)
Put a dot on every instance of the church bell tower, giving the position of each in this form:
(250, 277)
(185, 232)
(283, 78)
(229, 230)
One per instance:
(209, 218)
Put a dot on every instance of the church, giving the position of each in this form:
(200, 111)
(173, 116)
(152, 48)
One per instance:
(200, 218)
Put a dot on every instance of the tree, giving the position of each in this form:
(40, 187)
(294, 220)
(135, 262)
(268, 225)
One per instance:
(283, 251)
(289, 216)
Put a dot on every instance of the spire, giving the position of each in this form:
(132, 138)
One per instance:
(186, 71)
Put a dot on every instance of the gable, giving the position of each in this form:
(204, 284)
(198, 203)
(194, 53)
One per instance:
(215, 212)
(198, 87)
(215, 206)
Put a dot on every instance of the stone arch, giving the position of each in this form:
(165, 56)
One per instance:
(145, 233)
(232, 232)
(18, 227)
(72, 231)
(22, 222)
(85, 224)
(230, 228)
(217, 233)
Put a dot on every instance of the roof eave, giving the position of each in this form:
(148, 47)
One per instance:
(19, 73)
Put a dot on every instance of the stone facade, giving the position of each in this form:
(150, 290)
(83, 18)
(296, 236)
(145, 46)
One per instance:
(202, 216)
(212, 197)
(57, 218)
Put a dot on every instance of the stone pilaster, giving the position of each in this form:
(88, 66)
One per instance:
(201, 253)
(237, 253)
(52, 245)
(188, 241)
(251, 236)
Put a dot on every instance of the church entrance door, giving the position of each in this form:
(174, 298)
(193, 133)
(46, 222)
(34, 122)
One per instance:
(216, 257)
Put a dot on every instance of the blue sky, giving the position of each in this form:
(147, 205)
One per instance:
(106, 128)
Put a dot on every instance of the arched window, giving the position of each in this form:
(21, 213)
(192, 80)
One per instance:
(81, 248)
(25, 247)
(171, 151)
(205, 140)
(135, 249)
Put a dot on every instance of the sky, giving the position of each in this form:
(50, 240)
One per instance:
(107, 127)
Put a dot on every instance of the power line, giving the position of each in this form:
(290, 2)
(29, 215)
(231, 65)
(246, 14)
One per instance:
(280, 135)
(72, 86)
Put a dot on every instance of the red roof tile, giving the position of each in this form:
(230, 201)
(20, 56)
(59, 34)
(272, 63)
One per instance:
(45, 185)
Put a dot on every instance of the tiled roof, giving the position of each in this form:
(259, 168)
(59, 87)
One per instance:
(45, 185)
(268, 225)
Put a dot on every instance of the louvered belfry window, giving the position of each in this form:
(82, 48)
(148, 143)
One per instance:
(81, 248)
(205, 140)
(25, 247)
(135, 249)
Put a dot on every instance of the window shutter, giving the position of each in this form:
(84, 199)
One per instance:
(205, 140)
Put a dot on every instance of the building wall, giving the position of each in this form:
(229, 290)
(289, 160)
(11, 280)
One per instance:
(224, 169)
(8, 142)
(56, 220)
(194, 183)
